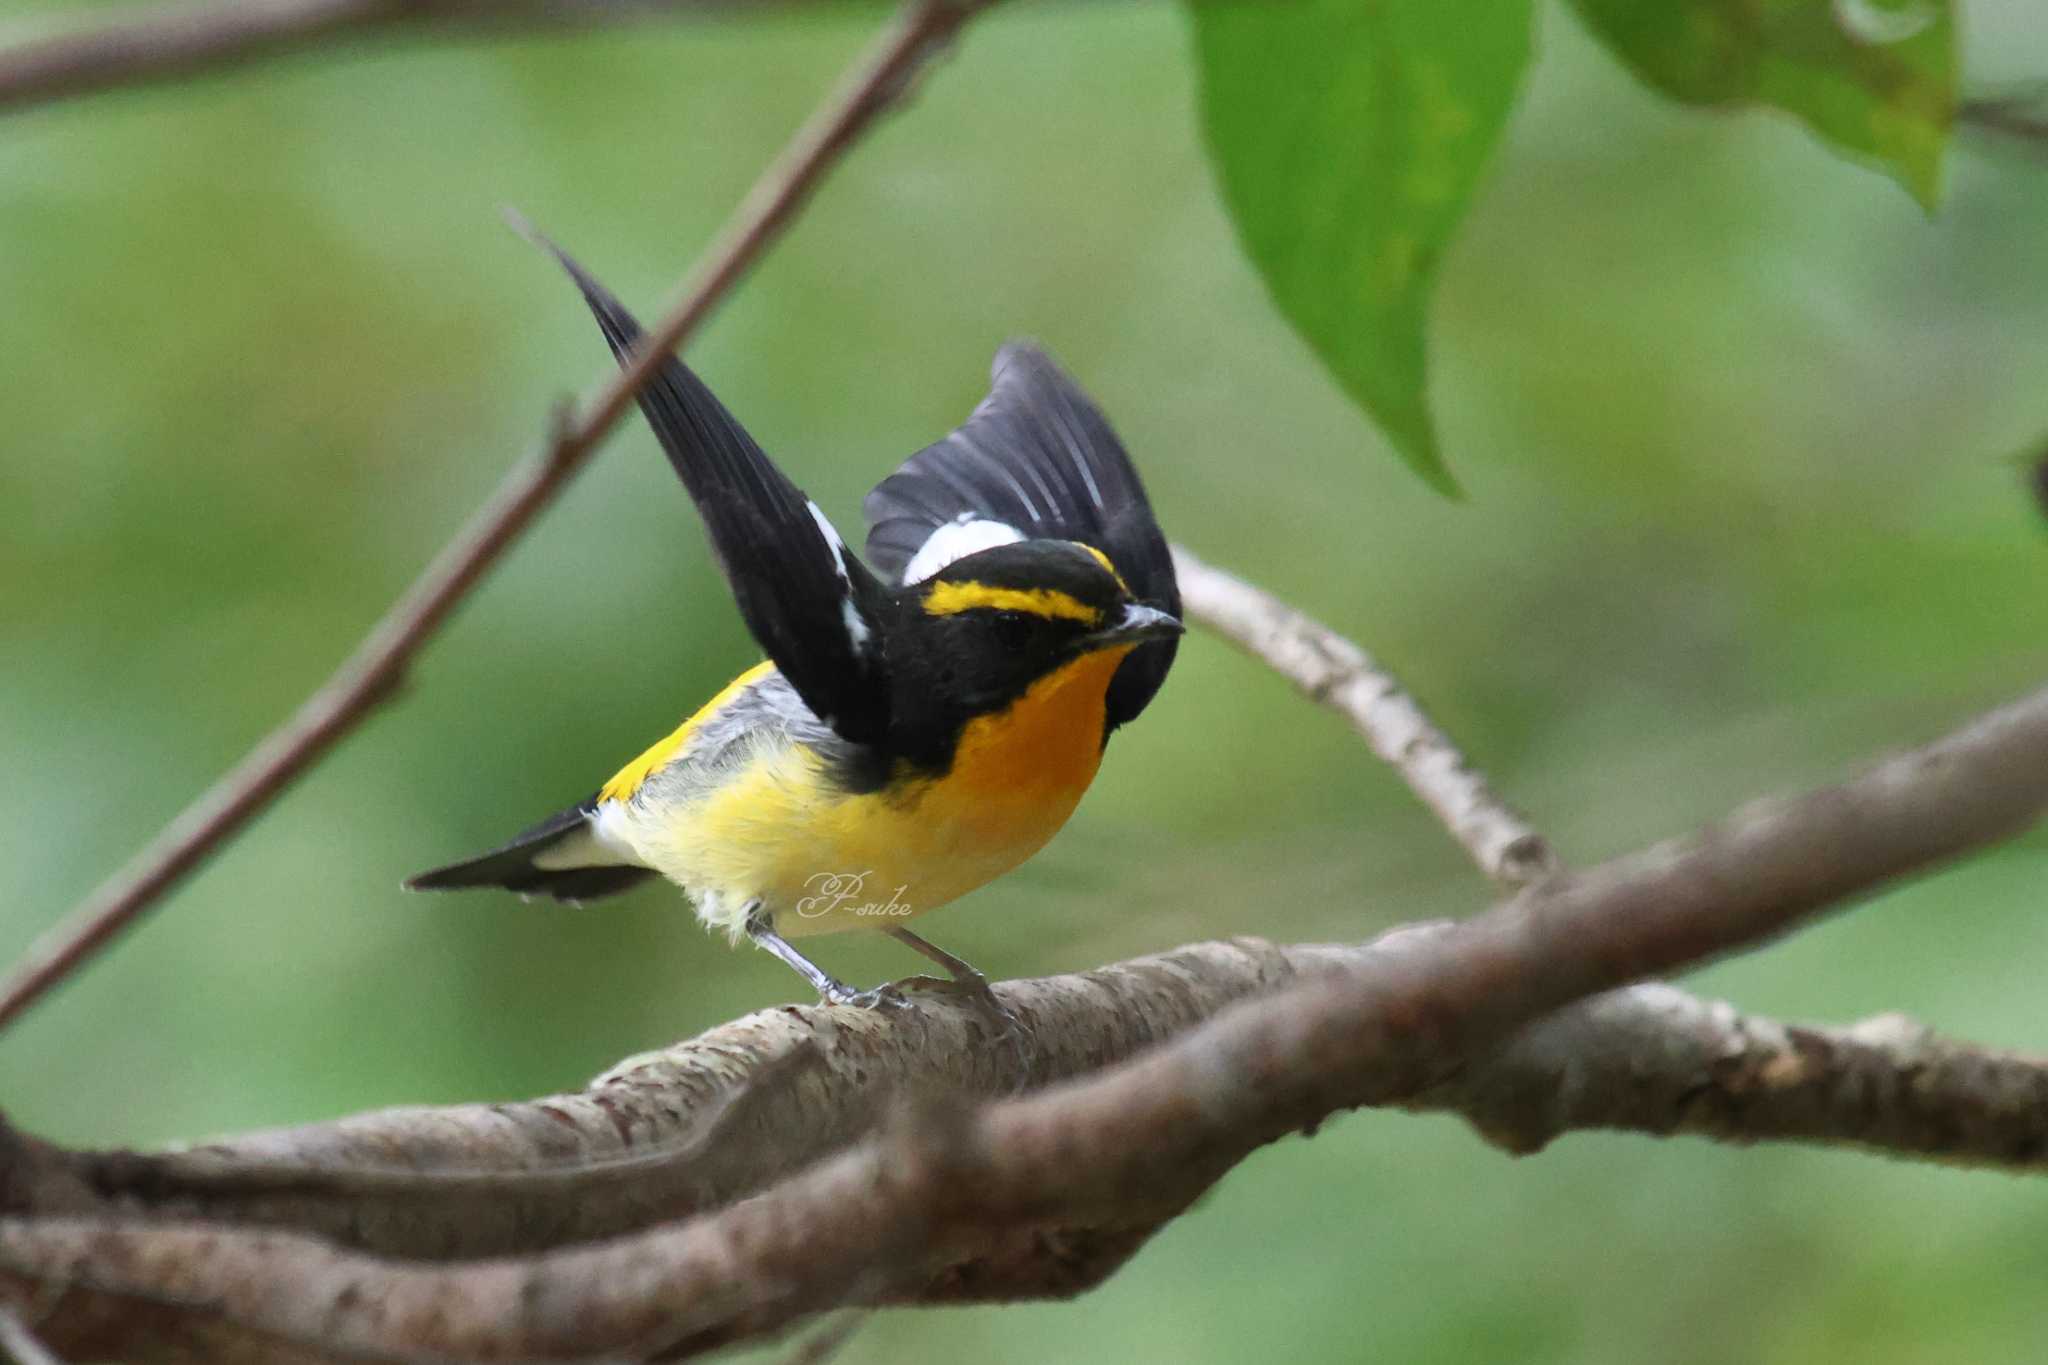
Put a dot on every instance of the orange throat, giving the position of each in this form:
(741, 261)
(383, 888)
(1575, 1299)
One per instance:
(1046, 746)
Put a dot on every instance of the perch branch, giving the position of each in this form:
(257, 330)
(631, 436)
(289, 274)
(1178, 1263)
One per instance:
(377, 667)
(1332, 670)
(1049, 1192)
(698, 1126)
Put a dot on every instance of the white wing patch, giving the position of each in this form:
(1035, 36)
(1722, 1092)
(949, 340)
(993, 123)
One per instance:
(833, 542)
(964, 535)
(856, 624)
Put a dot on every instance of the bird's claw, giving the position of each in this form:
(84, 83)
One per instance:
(977, 985)
(971, 987)
(976, 990)
(896, 996)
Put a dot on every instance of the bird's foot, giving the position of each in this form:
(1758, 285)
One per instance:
(971, 987)
(878, 998)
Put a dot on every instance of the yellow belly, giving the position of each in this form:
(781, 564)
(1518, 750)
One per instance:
(823, 863)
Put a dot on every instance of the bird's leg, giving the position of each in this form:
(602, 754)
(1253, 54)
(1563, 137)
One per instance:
(962, 974)
(966, 980)
(830, 989)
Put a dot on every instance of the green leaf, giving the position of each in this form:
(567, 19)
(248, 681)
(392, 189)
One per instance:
(1876, 78)
(1348, 136)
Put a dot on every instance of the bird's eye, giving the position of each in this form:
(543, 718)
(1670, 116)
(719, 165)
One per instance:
(1013, 629)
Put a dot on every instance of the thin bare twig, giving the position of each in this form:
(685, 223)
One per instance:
(169, 41)
(876, 81)
(175, 40)
(1334, 671)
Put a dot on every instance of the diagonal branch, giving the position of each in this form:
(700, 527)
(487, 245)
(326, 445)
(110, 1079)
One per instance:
(1049, 1192)
(1332, 670)
(371, 674)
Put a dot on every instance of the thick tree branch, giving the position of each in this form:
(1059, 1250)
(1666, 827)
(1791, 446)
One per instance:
(1332, 670)
(171, 41)
(1048, 1192)
(701, 1125)
(379, 663)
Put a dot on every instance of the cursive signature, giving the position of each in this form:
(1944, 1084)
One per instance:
(830, 892)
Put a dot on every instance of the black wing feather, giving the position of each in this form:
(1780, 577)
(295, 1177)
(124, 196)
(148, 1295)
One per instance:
(810, 603)
(1039, 456)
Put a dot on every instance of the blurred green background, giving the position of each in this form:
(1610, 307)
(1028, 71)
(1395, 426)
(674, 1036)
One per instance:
(1737, 424)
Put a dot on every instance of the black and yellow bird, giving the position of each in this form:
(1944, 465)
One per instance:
(920, 727)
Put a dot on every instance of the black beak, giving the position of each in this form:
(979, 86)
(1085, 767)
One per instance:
(1134, 623)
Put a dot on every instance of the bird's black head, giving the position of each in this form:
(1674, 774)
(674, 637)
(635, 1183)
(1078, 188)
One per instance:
(979, 632)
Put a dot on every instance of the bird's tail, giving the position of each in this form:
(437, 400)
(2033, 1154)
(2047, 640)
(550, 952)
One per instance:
(558, 857)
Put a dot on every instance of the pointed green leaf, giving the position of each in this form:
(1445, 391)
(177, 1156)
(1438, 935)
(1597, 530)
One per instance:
(1876, 78)
(1348, 137)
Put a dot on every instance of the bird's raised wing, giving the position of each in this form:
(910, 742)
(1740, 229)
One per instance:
(810, 603)
(1035, 460)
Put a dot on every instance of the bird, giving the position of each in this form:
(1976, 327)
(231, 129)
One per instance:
(925, 720)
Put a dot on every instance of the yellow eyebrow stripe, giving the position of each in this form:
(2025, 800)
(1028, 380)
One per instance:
(948, 598)
(1103, 559)
(629, 778)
